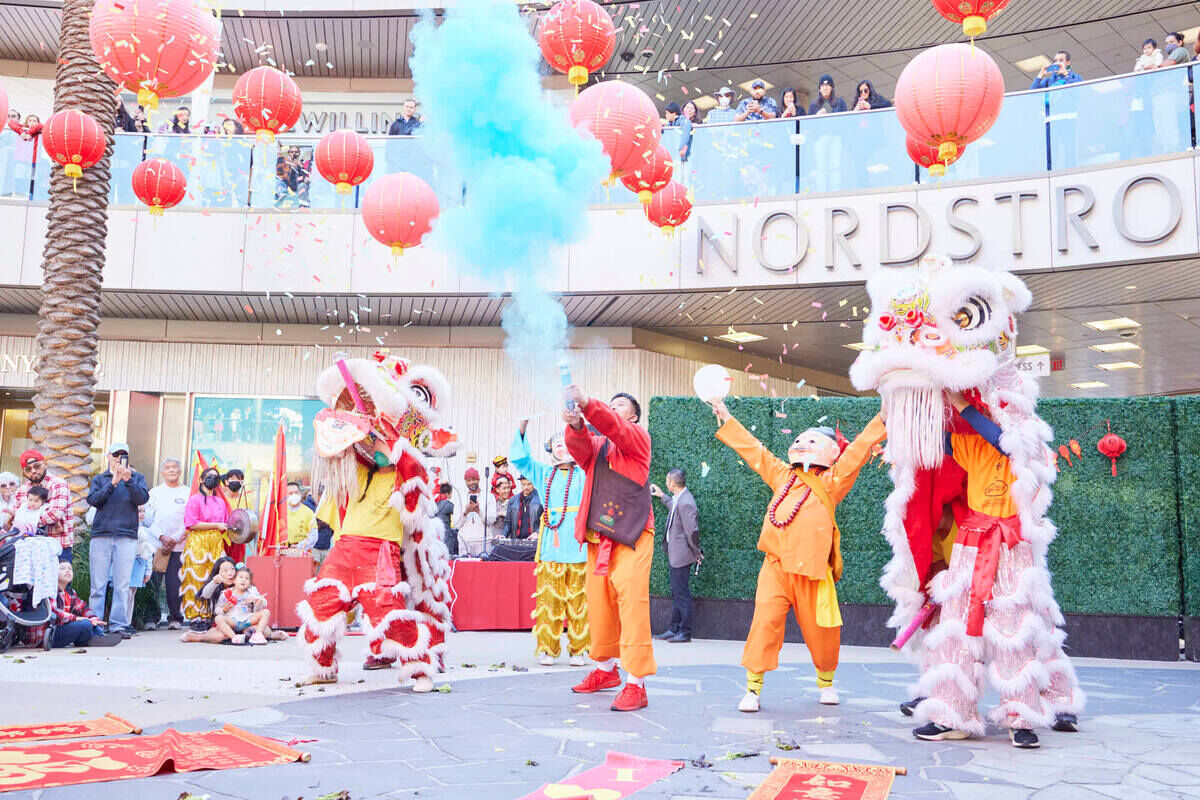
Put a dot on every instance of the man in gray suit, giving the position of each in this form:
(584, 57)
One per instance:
(683, 550)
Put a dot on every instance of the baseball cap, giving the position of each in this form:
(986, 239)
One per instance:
(757, 83)
(673, 108)
(30, 455)
(725, 90)
(825, 79)
(118, 447)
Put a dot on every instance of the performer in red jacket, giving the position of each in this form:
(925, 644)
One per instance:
(616, 520)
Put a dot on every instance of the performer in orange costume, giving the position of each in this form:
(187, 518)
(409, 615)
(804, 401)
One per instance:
(802, 543)
(616, 520)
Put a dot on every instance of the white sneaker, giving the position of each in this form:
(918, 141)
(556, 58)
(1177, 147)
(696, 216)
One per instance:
(423, 684)
(546, 660)
(829, 696)
(577, 661)
(749, 702)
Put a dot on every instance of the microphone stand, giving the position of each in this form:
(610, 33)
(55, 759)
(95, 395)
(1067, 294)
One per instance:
(486, 489)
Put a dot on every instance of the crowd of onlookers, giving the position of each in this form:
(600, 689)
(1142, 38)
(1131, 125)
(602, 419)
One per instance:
(155, 557)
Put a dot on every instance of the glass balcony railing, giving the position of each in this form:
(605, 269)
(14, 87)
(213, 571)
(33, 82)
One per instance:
(1080, 125)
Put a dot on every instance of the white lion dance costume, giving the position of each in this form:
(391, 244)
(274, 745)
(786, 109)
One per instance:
(388, 556)
(941, 339)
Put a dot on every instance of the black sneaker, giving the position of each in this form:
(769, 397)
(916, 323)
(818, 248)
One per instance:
(665, 635)
(907, 708)
(936, 733)
(1065, 723)
(1023, 738)
(125, 633)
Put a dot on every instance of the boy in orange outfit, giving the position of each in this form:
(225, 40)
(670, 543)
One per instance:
(616, 521)
(801, 541)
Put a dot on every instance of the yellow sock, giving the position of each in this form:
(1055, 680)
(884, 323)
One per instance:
(754, 681)
(824, 678)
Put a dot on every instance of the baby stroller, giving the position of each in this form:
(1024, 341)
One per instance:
(15, 601)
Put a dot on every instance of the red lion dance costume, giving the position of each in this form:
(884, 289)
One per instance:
(970, 464)
(388, 556)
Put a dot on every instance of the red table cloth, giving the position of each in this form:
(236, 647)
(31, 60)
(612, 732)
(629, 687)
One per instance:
(492, 595)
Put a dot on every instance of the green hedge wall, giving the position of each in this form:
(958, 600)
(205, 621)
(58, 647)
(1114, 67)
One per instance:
(1118, 546)
(1187, 426)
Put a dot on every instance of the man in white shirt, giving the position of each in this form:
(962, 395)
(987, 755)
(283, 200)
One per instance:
(164, 514)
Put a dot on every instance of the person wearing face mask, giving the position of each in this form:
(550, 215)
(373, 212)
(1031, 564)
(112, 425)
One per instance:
(561, 570)
(234, 483)
(301, 521)
(724, 111)
(801, 543)
(204, 519)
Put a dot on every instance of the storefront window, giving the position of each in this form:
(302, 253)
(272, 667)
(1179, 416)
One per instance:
(15, 438)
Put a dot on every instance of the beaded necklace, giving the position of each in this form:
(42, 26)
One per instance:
(566, 493)
(775, 503)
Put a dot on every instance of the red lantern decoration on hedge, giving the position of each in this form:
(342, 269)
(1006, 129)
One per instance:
(1112, 447)
(926, 156)
(159, 184)
(73, 139)
(267, 101)
(651, 175)
(157, 48)
(669, 208)
(399, 210)
(345, 159)
(949, 96)
(622, 118)
(576, 37)
(973, 14)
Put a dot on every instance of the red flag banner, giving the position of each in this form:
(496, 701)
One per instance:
(68, 763)
(793, 779)
(274, 533)
(108, 725)
(620, 776)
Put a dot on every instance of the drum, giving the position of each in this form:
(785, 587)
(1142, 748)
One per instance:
(243, 525)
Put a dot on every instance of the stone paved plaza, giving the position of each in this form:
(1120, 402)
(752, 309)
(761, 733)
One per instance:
(499, 734)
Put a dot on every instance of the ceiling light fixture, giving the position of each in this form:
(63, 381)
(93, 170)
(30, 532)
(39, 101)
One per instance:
(1089, 385)
(741, 337)
(1032, 64)
(1119, 323)
(1031, 350)
(745, 87)
(704, 102)
(1112, 365)
(1115, 347)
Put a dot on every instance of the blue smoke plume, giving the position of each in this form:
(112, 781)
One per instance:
(528, 173)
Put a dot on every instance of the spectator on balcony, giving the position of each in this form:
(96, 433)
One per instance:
(1057, 73)
(1174, 53)
(408, 122)
(676, 119)
(827, 101)
(293, 174)
(1151, 57)
(722, 113)
(757, 106)
(181, 122)
(231, 127)
(868, 98)
(789, 104)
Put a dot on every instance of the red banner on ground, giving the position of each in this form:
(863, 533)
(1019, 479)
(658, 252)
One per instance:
(620, 776)
(68, 763)
(108, 725)
(823, 780)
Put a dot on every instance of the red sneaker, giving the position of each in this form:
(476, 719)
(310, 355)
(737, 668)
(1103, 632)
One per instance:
(597, 680)
(373, 662)
(631, 698)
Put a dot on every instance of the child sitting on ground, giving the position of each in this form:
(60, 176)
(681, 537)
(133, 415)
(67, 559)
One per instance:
(27, 518)
(241, 609)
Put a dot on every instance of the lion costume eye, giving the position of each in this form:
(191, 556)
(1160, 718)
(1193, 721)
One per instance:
(422, 391)
(974, 313)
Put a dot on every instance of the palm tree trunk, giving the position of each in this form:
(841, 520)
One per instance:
(73, 259)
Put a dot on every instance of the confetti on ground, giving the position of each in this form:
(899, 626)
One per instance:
(704, 468)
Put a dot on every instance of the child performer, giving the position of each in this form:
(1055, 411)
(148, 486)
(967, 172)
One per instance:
(562, 559)
(801, 541)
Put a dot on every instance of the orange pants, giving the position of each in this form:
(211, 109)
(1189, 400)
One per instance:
(777, 592)
(619, 606)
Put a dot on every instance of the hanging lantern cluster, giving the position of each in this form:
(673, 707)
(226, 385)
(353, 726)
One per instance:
(926, 156)
(398, 210)
(3, 103)
(345, 159)
(973, 14)
(576, 37)
(73, 139)
(267, 101)
(948, 96)
(669, 207)
(159, 184)
(157, 48)
(623, 119)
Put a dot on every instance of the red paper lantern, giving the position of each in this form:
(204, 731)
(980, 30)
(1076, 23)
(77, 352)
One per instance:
(3, 105)
(622, 118)
(973, 14)
(157, 48)
(267, 101)
(669, 207)
(949, 96)
(344, 158)
(73, 139)
(651, 175)
(159, 184)
(398, 210)
(924, 155)
(1111, 446)
(576, 37)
